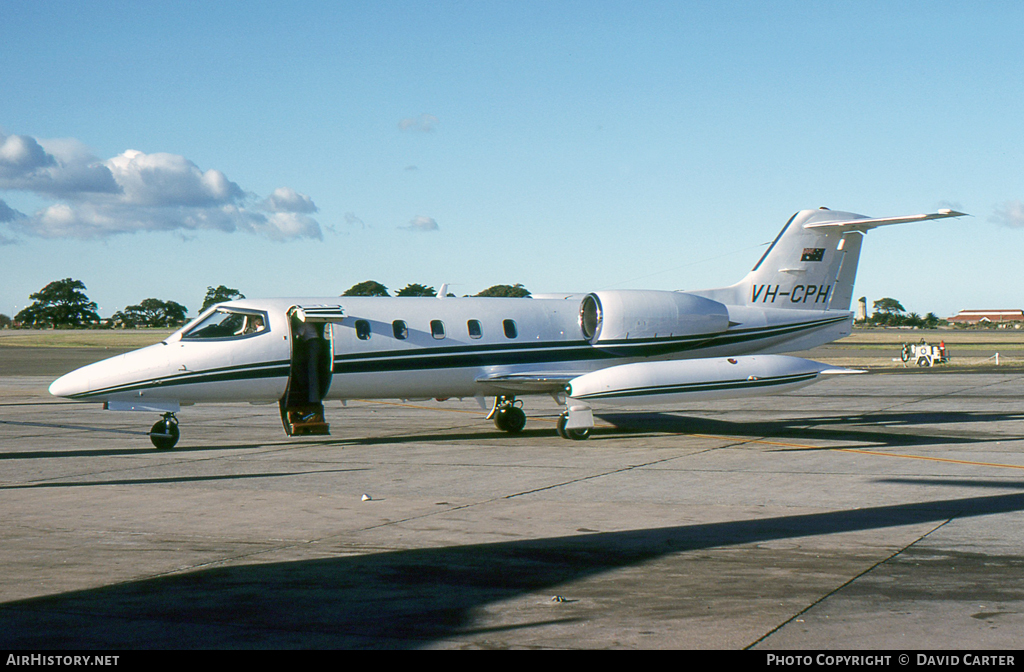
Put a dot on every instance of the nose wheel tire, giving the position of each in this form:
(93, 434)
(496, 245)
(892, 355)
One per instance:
(579, 434)
(164, 434)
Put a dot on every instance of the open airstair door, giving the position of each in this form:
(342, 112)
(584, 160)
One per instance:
(309, 378)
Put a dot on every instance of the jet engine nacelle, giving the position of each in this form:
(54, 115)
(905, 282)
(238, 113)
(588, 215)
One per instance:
(695, 379)
(618, 315)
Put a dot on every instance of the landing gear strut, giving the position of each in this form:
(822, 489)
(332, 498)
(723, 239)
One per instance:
(164, 433)
(508, 417)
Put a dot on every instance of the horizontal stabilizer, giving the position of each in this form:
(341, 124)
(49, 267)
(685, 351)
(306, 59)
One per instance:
(867, 224)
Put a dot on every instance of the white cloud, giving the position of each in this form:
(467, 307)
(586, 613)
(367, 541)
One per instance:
(65, 171)
(424, 123)
(289, 200)
(135, 192)
(352, 220)
(421, 223)
(287, 225)
(170, 180)
(21, 154)
(1010, 214)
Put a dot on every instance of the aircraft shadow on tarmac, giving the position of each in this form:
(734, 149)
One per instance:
(873, 428)
(174, 479)
(407, 599)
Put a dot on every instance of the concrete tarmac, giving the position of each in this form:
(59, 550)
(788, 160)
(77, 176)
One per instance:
(877, 511)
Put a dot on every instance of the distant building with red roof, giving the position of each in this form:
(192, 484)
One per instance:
(978, 316)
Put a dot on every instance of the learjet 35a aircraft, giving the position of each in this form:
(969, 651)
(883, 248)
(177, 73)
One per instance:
(609, 347)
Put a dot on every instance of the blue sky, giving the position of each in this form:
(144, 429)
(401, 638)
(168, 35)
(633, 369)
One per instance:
(155, 149)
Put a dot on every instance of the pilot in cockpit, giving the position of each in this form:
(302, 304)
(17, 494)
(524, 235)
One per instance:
(253, 324)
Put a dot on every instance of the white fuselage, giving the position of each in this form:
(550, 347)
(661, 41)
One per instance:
(428, 347)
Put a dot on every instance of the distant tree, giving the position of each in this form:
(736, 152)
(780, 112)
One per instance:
(125, 319)
(514, 291)
(62, 303)
(367, 288)
(5, 321)
(887, 313)
(219, 295)
(888, 306)
(416, 289)
(151, 313)
(931, 320)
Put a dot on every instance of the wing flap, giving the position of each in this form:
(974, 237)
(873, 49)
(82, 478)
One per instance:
(532, 382)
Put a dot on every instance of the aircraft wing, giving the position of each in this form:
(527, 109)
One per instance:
(865, 224)
(523, 383)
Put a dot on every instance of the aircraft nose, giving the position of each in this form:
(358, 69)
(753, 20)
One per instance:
(70, 384)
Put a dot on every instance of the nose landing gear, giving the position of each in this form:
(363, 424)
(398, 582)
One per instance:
(576, 422)
(164, 434)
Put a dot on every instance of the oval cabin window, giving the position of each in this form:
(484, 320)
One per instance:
(362, 330)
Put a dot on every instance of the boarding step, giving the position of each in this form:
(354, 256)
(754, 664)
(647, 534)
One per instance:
(306, 420)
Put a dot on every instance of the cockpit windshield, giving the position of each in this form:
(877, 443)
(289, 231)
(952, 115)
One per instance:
(228, 323)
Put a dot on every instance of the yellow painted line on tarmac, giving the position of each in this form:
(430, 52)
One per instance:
(863, 451)
(932, 459)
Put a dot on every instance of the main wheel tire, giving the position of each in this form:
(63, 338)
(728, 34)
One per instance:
(511, 419)
(164, 434)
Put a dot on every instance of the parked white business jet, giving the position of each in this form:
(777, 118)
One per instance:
(607, 347)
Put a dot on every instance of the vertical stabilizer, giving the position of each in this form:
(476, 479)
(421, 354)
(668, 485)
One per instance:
(812, 264)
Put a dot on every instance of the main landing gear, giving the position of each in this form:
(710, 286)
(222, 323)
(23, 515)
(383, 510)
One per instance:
(164, 433)
(507, 415)
(574, 424)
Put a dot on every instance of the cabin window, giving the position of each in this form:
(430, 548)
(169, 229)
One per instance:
(400, 329)
(510, 328)
(437, 329)
(362, 330)
(226, 323)
(475, 330)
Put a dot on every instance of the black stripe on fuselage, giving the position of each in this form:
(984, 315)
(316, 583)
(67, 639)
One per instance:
(279, 369)
(560, 351)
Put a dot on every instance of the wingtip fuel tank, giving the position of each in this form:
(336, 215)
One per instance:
(663, 382)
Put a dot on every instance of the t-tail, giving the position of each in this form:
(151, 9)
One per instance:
(812, 264)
